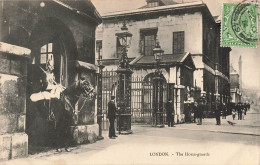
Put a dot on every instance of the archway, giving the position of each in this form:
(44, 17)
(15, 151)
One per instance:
(148, 97)
(52, 40)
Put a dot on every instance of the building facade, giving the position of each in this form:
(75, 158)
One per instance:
(33, 33)
(189, 36)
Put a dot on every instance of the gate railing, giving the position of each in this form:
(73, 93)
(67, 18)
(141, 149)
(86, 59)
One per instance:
(109, 81)
(141, 97)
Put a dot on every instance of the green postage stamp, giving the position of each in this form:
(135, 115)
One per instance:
(239, 25)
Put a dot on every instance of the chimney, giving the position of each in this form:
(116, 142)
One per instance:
(154, 3)
(240, 72)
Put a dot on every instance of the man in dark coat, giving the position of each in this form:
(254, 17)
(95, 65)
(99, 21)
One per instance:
(195, 111)
(239, 111)
(200, 109)
(218, 112)
(170, 113)
(224, 111)
(111, 115)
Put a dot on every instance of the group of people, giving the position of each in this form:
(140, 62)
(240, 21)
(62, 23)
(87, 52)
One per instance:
(194, 112)
(240, 110)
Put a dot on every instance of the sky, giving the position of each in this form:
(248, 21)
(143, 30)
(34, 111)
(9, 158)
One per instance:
(250, 56)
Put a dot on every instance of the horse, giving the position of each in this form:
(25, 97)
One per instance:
(62, 111)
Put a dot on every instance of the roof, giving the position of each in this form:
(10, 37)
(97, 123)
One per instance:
(197, 61)
(167, 59)
(85, 65)
(82, 7)
(153, 9)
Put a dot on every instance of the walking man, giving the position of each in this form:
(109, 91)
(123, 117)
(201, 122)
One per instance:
(170, 113)
(111, 115)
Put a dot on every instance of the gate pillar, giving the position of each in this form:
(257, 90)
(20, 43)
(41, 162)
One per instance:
(158, 101)
(124, 100)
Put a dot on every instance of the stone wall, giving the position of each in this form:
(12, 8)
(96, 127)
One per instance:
(13, 139)
(31, 25)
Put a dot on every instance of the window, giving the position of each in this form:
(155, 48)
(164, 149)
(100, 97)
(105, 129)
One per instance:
(46, 53)
(148, 41)
(53, 54)
(118, 48)
(178, 42)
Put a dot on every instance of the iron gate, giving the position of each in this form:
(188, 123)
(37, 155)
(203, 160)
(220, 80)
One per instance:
(141, 97)
(109, 83)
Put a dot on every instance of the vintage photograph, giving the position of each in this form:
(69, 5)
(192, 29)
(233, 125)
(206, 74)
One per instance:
(129, 82)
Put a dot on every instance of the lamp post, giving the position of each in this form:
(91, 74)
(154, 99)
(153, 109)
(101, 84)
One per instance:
(124, 83)
(99, 94)
(158, 88)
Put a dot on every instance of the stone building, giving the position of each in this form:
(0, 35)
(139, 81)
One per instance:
(190, 38)
(235, 90)
(31, 33)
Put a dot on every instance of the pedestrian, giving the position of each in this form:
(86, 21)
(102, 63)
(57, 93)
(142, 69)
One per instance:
(111, 115)
(170, 113)
(234, 113)
(217, 112)
(239, 111)
(243, 114)
(192, 115)
(195, 111)
(200, 109)
(246, 108)
(224, 111)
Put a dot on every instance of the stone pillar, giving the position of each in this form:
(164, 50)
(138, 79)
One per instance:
(13, 71)
(87, 129)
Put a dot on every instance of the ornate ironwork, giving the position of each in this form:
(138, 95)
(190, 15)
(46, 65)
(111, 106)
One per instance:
(99, 97)
(158, 89)
(124, 85)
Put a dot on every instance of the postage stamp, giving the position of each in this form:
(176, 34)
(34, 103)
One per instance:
(239, 25)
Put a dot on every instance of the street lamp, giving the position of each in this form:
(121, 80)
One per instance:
(158, 88)
(124, 83)
(124, 36)
(99, 93)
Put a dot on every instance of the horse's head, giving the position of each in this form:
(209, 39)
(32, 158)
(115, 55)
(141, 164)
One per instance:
(87, 89)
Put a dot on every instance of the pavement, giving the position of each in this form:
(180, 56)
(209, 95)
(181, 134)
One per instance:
(218, 144)
(176, 146)
(249, 126)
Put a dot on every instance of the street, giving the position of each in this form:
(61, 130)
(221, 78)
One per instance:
(183, 144)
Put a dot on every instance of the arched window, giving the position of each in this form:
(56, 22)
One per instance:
(53, 54)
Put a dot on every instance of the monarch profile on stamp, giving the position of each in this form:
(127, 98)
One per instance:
(239, 25)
